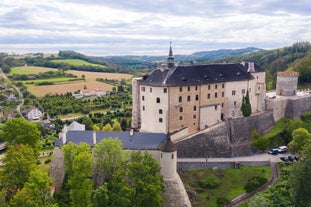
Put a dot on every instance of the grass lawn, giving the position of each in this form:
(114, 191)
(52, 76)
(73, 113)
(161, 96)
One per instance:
(77, 62)
(278, 128)
(52, 80)
(232, 182)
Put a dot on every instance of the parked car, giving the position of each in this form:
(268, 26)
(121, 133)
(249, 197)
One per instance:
(284, 159)
(283, 149)
(291, 158)
(274, 151)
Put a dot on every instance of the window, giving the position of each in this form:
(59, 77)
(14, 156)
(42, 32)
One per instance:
(150, 90)
(143, 108)
(194, 108)
(215, 95)
(196, 97)
(209, 87)
(180, 118)
(216, 106)
(180, 99)
(216, 86)
(188, 98)
(164, 90)
(172, 156)
(180, 89)
(243, 91)
(208, 96)
(222, 105)
(234, 103)
(223, 85)
(160, 111)
(222, 94)
(181, 109)
(196, 88)
(143, 89)
(158, 100)
(194, 116)
(143, 98)
(233, 93)
(160, 120)
(188, 88)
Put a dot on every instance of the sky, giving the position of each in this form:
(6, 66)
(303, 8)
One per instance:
(146, 27)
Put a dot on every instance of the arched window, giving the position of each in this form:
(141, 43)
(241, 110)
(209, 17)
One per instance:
(181, 109)
(158, 100)
(189, 98)
(194, 108)
(180, 99)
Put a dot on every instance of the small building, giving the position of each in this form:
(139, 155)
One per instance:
(95, 92)
(34, 114)
(48, 124)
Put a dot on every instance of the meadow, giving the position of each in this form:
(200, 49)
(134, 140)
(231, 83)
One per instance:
(62, 86)
(77, 62)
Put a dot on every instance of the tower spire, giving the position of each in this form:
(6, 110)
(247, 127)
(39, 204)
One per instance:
(170, 58)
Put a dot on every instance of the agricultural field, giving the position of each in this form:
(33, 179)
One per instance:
(69, 86)
(77, 62)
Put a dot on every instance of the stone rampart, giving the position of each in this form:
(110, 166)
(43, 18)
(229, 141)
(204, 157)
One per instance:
(228, 140)
(296, 106)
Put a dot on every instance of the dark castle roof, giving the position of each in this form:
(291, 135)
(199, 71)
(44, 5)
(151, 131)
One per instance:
(169, 146)
(134, 141)
(200, 74)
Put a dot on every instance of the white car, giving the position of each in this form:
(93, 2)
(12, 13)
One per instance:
(283, 149)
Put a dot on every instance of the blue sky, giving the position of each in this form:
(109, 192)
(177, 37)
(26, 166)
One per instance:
(145, 27)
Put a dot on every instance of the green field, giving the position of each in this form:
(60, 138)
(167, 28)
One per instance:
(232, 182)
(77, 62)
(52, 80)
(27, 70)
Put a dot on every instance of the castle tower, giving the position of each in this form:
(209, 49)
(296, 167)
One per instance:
(170, 58)
(286, 83)
(168, 159)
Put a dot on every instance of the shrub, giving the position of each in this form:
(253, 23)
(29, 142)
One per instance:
(47, 161)
(209, 182)
(222, 201)
(254, 183)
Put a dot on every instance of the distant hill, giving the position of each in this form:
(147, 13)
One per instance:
(151, 61)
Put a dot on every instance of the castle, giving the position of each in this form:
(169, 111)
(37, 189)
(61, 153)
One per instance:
(190, 98)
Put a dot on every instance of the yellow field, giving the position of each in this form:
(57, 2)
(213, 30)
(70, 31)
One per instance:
(74, 86)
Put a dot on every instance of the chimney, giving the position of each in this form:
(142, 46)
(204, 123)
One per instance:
(131, 132)
(94, 137)
(251, 67)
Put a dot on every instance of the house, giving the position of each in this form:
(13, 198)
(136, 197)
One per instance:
(96, 92)
(48, 124)
(34, 114)
(191, 98)
(11, 97)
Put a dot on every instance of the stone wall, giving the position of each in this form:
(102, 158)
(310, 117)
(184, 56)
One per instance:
(230, 139)
(296, 106)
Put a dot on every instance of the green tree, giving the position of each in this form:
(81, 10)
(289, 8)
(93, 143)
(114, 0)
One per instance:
(123, 124)
(100, 196)
(301, 137)
(116, 127)
(80, 181)
(246, 107)
(300, 182)
(19, 161)
(21, 131)
(107, 158)
(259, 199)
(95, 127)
(36, 191)
(107, 128)
(71, 150)
(141, 182)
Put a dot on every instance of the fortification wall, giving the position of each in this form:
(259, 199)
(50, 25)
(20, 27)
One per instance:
(296, 106)
(228, 140)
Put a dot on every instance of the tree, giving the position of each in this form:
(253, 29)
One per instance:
(107, 128)
(123, 124)
(139, 184)
(21, 131)
(246, 107)
(80, 181)
(301, 137)
(116, 127)
(19, 161)
(83, 77)
(100, 196)
(300, 182)
(107, 158)
(36, 191)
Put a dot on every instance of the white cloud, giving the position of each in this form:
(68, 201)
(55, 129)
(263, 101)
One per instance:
(140, 26)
